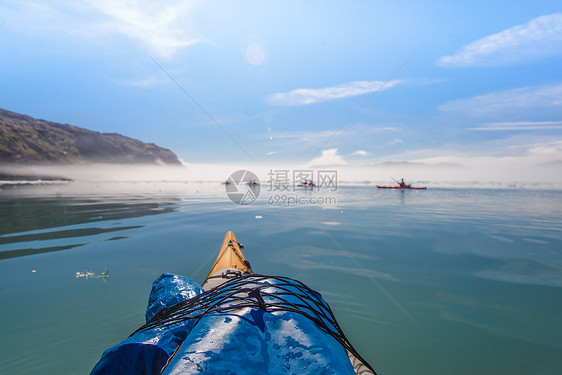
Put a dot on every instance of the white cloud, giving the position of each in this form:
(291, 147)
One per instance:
(147, 82)
(538, 38)
(311, 96)
(395, 141)
(549, 151)
(329, 158)
(520, 125)
(508, 101)
(162, 28)
(361, 153)
(316, 137)
(305, 137)
(529, 149)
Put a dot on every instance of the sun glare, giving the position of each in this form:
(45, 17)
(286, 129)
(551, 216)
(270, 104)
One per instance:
(255, 54)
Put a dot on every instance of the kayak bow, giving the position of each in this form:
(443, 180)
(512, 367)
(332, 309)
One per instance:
(230, 263)
(238, 323)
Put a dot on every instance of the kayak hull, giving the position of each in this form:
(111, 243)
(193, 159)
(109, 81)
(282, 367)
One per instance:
(401, 188)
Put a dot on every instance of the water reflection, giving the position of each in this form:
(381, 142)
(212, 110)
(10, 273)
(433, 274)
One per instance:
(31, 225)
(69, 233)
(28, 214)
(33, 251)
(63, 234)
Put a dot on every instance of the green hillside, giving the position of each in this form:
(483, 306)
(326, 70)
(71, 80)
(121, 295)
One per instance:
(25, 140)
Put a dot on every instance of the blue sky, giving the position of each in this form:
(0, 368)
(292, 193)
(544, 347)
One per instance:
(431, 82)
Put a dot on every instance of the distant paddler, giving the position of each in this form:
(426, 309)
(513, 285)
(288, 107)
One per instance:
(253, 183)
(401, 185)
(307, 183)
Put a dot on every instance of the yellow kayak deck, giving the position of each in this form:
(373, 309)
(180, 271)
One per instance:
(229, 263)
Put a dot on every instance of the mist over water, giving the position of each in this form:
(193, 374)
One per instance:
(473, 173)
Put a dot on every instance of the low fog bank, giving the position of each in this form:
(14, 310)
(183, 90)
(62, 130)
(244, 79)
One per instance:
(480, 172)
(98, 172)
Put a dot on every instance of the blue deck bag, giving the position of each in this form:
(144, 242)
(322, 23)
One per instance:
(147, 352)
(255, 325)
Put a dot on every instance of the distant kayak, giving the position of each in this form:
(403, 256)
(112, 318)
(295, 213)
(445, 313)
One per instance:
(307, 184)
(402, 187)
(237, 322)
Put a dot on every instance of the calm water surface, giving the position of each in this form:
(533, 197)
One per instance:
(443, 281)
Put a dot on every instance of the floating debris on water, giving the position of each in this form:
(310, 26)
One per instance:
(87, 274)
(259, 217)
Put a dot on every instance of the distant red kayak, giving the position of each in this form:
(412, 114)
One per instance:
(402, 188)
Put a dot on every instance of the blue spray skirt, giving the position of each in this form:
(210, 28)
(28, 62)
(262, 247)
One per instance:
(248, 325)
